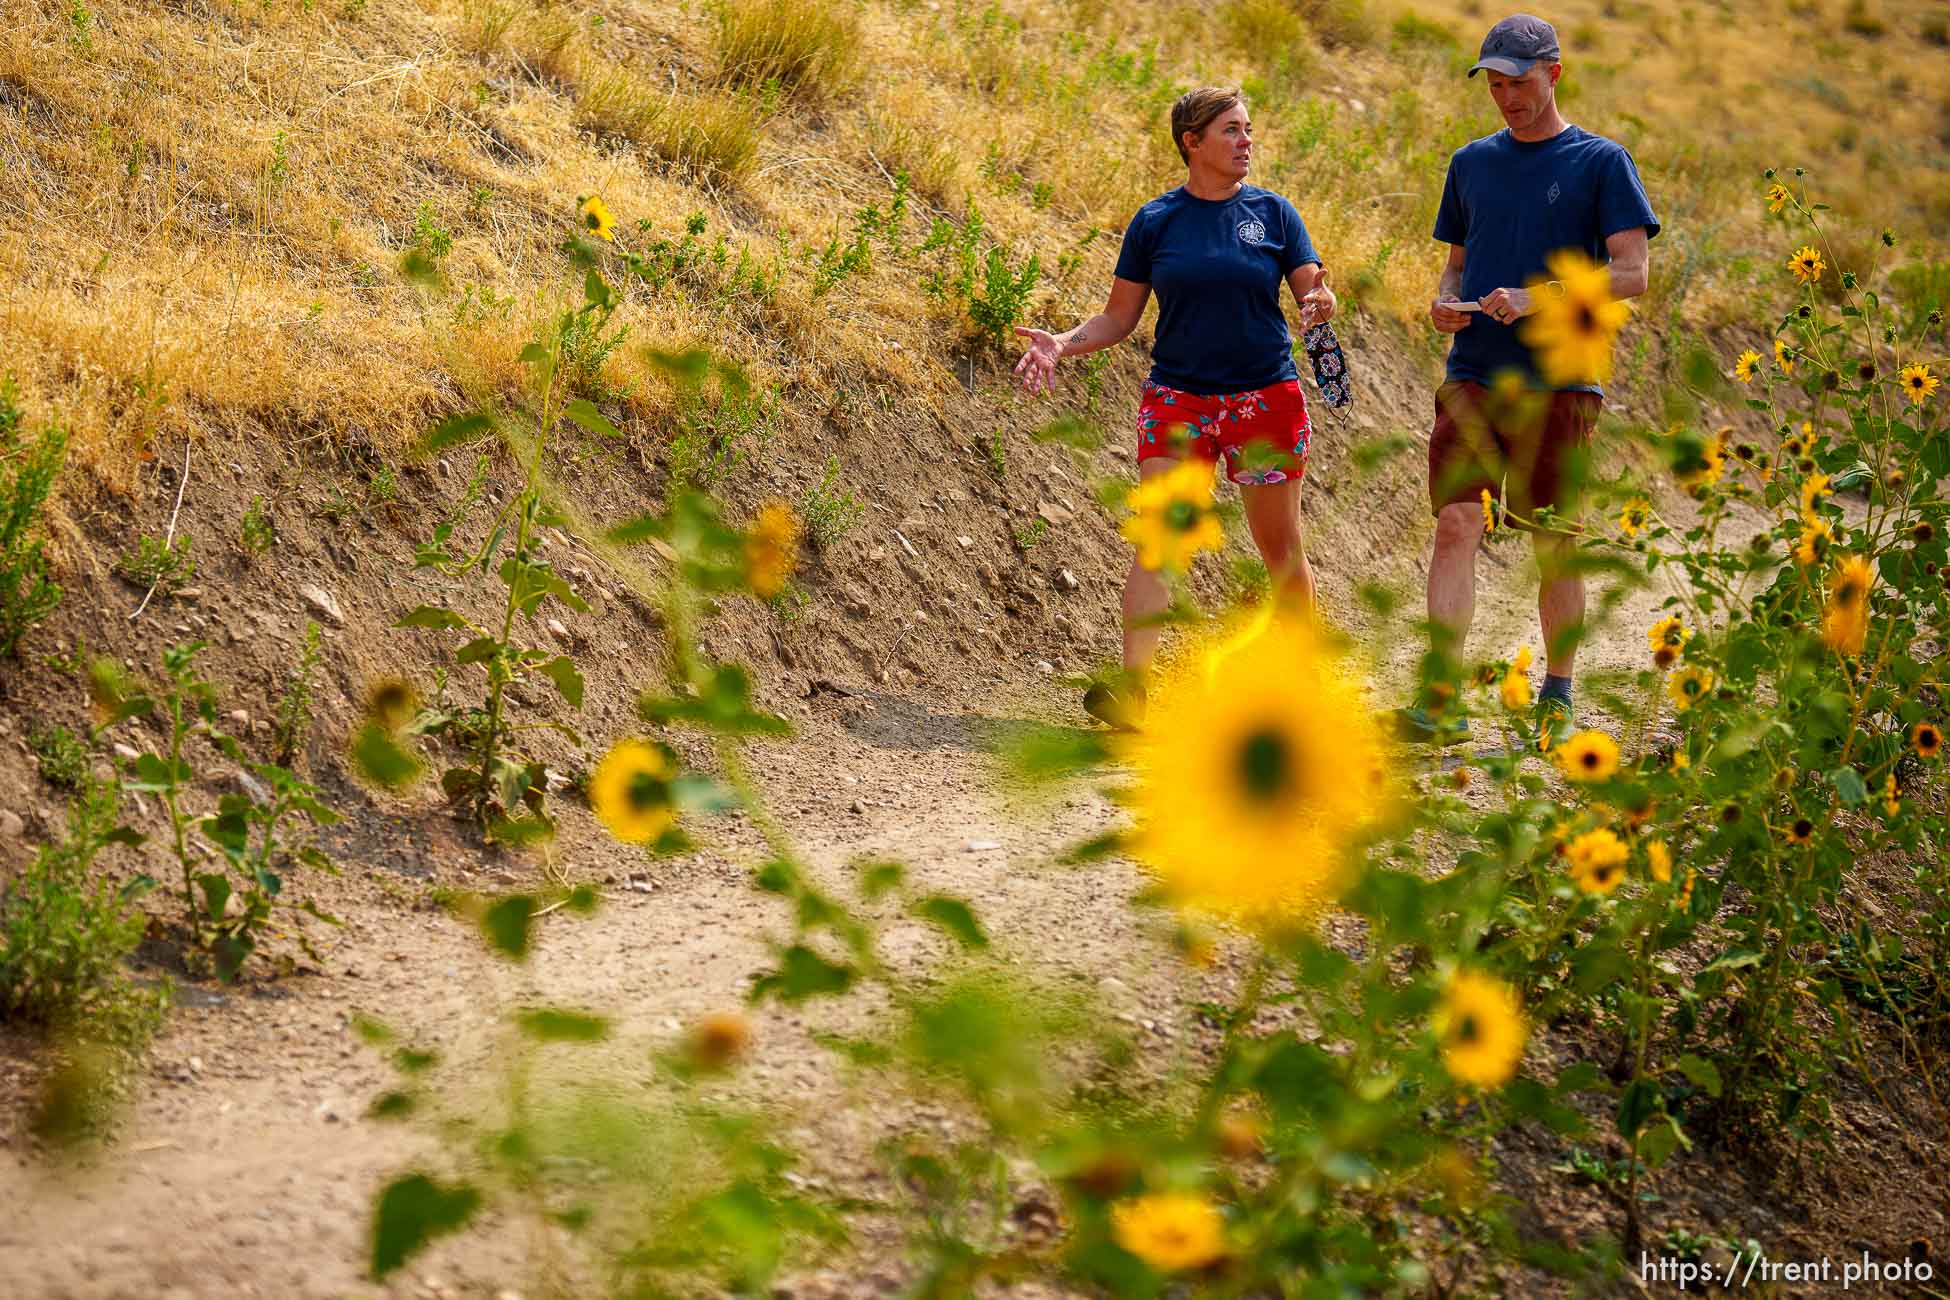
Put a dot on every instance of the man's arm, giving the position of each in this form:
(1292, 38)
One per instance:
(1631, 262)
(1449, 289)
(1630, 274)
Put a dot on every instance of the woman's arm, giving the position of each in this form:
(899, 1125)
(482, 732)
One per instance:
(1309, 284)
(1113, 324)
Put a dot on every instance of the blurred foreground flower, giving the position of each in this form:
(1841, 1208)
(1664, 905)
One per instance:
(1480, 1025)
(1170, 1231)
(771, 549)
(1255, 772)
(630, 791)
(1172, 518)
(596, 218)
(1597, 861)
(1572, 331)
(1589, 756)
(1632, 519)
(1845, 622)
(1516, 682)
(1689, 685)
(718, 1040)
(1667, 639)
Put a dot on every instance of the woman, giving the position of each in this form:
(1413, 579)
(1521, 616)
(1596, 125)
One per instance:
(1223, 384)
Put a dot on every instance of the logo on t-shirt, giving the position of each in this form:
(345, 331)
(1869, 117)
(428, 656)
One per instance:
(1252, 232)
(1551, 195)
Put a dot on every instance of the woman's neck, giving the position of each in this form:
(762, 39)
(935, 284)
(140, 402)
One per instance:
(1203, 184)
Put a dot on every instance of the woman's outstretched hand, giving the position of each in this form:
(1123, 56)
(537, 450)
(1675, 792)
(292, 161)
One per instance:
(1319, 303)
(1037, 369)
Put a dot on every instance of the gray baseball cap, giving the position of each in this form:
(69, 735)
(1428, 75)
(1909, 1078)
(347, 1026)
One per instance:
(1515, 44)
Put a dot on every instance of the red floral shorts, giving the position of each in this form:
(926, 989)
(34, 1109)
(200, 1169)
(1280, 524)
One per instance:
(1262, 434)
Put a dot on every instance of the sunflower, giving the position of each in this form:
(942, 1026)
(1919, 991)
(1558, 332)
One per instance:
(1807, 264)
(1172, 518)
(1689, 686)
(596, 218)
(1926, 738)
(1845, 622)
(1597, 860)
(1918, 383)
(1800, 831)
(718, 1040)
(1744, 367)
(771, 549)
(1252, 781)
(1516, 682)
(1480, 1026)
(1891, 804)
(1659, 859)
(1489, 512)
(630, 791)
(1170, 1231)
(1700, 465)
(1813, 489)
(1571, 332)
(1588, 756)
(1816, 534)
(1781, 357)
(1632, 519)
(1667, 639)
(1778, 197)
(1685, 900)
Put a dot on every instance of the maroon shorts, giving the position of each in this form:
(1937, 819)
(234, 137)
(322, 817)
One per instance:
(1528, 449)
(1262, 434)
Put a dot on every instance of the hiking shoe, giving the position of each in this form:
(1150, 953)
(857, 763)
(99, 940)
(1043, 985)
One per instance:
(1118, 705)
(1553, 722)
(1418, 726)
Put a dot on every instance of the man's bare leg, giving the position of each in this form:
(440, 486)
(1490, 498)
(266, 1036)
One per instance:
(1452, 574)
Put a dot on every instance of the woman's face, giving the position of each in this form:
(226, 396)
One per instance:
(1225, 145)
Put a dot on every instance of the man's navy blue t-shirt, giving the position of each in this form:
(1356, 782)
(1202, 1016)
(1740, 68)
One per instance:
(1512, 203)
(1217, 266)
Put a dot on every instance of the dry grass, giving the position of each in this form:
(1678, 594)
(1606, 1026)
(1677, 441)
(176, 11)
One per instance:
(203, 205)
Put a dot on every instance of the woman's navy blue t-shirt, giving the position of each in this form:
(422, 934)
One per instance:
(1217, 266)
(1512, 203)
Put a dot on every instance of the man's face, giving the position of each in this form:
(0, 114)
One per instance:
(1522, 100)
(1226, 143)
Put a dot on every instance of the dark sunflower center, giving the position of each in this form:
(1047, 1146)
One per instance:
(1587, 319)
(1266, 764)
(1848, 593)
(1467, 1030)
(1180, 516)
(646, 792)
(1589, 758)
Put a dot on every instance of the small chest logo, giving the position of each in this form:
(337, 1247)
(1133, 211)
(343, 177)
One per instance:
(1551, 195)
(1252, 232)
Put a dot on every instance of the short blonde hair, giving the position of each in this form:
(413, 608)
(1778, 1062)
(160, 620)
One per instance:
(1196, 109)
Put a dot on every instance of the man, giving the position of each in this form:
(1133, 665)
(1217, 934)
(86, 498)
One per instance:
(1510, 200)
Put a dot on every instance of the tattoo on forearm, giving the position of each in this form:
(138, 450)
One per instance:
(1082, 335)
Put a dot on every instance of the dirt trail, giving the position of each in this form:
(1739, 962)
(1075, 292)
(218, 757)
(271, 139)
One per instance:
(246, 1169)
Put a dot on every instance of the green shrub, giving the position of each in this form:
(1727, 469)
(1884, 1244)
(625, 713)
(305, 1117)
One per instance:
(61, 756)
(27, 474)
(163, 564)
(799, 45)
(64, 930)
(829, 510)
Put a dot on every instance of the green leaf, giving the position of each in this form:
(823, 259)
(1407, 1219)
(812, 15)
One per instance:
(954, 916)
(1849, 785)
(597, 293)
(520, 831)
(1638, 1104)
(533, 355)
(1734, 959)
(802, 974)
(414, 1060)
(877, 878)
(382, 760)
(479, 650)
(432, 616)
(411, 1212)
(506, 925)
(1658, 1142)
(392, 1105)
(216, 894)
(584, 413)
(469, 427)
(568, 680)
(1701, 1072)
(550, 1026)
(641, 529)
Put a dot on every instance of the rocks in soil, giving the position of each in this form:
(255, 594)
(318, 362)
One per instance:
(1067, 580)
(11, 826)
(322, 603)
